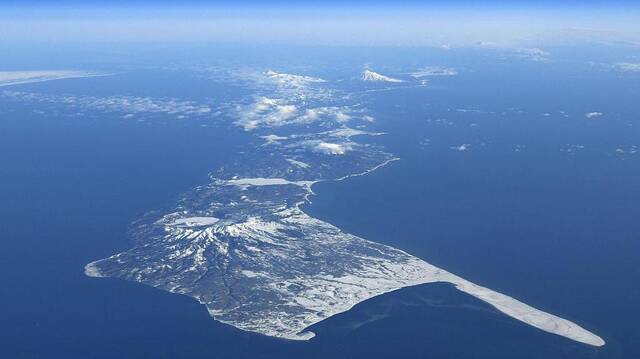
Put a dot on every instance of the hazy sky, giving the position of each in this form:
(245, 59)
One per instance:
(433, 23)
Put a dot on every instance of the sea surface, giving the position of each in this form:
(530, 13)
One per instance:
(538, 204)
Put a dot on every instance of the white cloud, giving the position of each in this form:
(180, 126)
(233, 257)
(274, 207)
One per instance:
(571, 149)
(472, 110)
(286, 111)
(434, 71)
(265, 111)
(593, 114)
(311, 114)
(630, 150)
(268, 112)
(342, 117)
(463, 147)
(272, 139)
(328, 148)
(292, 80)
(628, 66)
(130, 105)
(525, 53)
(331, 148)
(533, 54)
(487, 44)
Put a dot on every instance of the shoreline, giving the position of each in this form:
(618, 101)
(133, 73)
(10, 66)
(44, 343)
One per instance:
(363, 277)
(503, 303)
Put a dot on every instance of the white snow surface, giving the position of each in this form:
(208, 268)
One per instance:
(298, 163)
(347, 270)
(195, 221)
(267, 182)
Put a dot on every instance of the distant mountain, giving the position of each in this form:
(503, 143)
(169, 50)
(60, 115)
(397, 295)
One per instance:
(368, 75)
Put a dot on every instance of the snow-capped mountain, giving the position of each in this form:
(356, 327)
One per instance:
(368, 75)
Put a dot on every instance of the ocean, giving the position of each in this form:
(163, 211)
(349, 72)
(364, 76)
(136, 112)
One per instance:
(502, 179)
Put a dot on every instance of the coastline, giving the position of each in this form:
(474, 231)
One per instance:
(359, 277)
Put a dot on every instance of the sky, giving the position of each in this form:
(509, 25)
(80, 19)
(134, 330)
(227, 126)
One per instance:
(383, 23)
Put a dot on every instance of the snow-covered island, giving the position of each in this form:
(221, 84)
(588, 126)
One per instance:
(242, 245)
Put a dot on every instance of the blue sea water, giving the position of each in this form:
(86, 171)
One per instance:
(524, 211)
